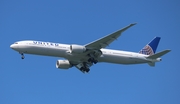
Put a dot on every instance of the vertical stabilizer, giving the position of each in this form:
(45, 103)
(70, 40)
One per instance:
(151, 47)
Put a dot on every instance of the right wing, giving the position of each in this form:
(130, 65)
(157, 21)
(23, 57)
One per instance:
(105, 41)
(94, 52)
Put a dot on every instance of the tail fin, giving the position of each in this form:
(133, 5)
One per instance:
(151, 47)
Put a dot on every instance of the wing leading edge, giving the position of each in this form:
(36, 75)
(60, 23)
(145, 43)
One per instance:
(105, 41)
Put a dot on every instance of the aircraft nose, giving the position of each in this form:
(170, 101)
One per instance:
(13, 46)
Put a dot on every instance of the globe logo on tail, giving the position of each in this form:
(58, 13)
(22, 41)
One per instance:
(147, 50)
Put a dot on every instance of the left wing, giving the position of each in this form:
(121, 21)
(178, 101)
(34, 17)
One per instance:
(105, 41)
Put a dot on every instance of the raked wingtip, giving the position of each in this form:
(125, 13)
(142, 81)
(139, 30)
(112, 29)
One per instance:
(133, 24)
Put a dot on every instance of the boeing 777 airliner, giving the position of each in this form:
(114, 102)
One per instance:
(84, 56)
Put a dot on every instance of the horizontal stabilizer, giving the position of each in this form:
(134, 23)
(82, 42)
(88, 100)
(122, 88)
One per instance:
(151, 64)
(159, 54)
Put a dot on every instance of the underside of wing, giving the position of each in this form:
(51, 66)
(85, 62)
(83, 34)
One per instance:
(105, 41)
(83, 66)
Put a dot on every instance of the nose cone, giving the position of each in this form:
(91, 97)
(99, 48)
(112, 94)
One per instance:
(13, 46)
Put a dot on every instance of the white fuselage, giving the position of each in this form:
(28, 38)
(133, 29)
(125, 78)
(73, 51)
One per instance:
(62, 50)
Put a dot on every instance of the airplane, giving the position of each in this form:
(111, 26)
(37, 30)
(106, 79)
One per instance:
(84, 56)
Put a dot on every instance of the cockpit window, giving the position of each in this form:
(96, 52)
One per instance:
(16, 43)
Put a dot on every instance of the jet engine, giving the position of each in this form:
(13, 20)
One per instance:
(77, 49)
(63, 64)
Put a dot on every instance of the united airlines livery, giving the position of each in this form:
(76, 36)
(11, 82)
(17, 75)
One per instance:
(84, 56)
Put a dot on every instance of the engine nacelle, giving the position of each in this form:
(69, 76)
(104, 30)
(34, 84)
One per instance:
(77, 49)
(63, 64)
